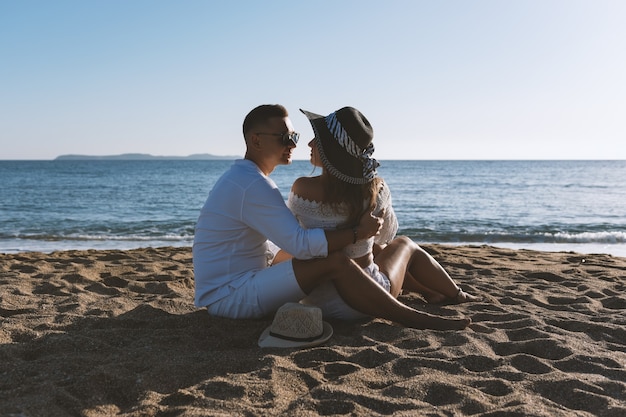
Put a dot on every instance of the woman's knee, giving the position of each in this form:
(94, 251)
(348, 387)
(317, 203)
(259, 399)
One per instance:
(405, 242)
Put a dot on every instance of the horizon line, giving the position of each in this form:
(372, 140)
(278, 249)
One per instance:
(148, 157)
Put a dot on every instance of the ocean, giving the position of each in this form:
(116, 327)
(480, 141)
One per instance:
(104, 204)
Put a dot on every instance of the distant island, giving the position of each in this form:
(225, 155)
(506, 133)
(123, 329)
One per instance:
(143, 157)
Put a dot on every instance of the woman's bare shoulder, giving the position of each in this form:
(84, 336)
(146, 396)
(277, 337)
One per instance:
(309, 188)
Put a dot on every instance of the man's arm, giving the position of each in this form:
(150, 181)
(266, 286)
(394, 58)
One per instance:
(281, 256)
(265, 211)
(369, 225)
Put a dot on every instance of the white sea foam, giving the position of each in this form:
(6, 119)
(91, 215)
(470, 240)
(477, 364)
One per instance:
(590, 237)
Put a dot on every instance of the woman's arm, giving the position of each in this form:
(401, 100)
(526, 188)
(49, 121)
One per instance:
(390, 222)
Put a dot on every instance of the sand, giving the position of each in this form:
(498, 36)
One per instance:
(115, 333)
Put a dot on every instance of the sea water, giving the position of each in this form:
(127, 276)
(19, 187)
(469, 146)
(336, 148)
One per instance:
(103, 204)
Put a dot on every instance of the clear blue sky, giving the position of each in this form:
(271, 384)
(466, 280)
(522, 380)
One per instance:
(497, 79)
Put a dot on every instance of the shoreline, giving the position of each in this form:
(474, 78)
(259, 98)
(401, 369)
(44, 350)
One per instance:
(115, 332)
(617, 250)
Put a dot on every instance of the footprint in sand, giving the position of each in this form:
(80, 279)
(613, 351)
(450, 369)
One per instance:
(495, 387)
(541, 348)
(574, 394)
(530, 364)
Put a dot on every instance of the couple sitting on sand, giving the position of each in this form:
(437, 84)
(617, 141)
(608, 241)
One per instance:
(338, 249)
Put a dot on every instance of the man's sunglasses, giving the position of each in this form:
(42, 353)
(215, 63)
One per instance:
(288, 139)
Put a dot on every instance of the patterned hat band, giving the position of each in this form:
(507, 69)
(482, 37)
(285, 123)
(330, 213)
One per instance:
(363, 155)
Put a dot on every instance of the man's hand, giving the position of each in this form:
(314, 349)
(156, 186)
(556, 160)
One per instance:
(369, 225)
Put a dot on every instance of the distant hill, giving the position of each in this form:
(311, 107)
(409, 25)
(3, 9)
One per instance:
(142, 157)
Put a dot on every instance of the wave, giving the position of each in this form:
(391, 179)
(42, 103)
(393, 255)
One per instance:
(584, 242)
(589, 237)
(186, 234)
(604, 237)
(99, 237)
(53, 242)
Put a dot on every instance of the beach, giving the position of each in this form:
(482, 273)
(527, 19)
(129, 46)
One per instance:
(115, 333)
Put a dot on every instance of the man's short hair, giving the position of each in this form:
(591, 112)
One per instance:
(261, 114)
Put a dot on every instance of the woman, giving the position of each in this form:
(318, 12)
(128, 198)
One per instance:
(347, 187)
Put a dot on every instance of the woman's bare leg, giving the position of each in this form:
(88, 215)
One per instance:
(412, 285)
(423, 275)
(363, 294)
(425, 271)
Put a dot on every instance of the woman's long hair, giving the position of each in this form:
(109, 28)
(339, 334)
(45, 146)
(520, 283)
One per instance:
(357, 199)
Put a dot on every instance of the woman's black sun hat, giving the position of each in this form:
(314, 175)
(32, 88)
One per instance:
(344, 141)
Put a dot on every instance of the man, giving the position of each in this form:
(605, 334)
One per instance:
(234, 275)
